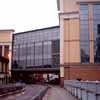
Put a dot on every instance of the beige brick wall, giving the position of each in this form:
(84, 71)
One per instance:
(5, 37)
(71, 41)
(70, 5)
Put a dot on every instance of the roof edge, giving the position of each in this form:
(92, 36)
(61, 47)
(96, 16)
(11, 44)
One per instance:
(12, 30)
(38, 29)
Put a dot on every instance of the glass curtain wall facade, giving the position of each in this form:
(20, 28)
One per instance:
(38, 48)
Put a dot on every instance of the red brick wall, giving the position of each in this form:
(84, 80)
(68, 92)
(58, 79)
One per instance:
(83, 72)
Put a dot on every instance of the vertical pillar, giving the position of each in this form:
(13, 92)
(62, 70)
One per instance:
(6, 72)
(61, 5)
(61, 76)
(61, 51)
(10, 54)
(10, 58)
(3, 50)
(91, 32)
(61, 43)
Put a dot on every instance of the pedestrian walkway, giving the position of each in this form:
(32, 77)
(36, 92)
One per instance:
(57, 93)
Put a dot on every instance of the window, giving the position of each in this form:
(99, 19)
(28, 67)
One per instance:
(56, 60)
(96, 22)
(97, 51)
(0, 50)
(55, 46)
(84, 52)
(38, 53)
(47, 52)
(84, 34)
(98, 29)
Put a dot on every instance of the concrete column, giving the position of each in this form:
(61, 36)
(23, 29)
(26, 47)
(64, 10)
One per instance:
(61, 40)
(61, 76)
(9, 67)
(61, 50)
(61, 5)
(10, 54)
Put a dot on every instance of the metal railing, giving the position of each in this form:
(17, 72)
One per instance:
(83, 90)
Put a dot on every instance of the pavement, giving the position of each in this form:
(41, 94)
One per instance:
(30, 93)
(57, 93)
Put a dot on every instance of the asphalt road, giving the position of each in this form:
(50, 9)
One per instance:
(30, 92)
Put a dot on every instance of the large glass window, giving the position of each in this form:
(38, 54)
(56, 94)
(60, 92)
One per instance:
(55, 46)
(84, 34)
(32, 54)
(97, 45)
(98, 29)
(96, 22)
(84, 52)
(38, 53)
(29, 54)
(47, 53)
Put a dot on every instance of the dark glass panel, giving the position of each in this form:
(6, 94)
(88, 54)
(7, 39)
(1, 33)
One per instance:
(32, 54)
(0, 50)
(96, 22)
(85, 56)
(97, 51)
(47, 52)
(84, 31)
(38, 53)
(55, 60)
(98, 29)
(55, 46)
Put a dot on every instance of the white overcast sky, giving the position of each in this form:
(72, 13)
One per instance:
(25, 15)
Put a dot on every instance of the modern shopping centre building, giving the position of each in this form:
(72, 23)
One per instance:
(79, 39)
